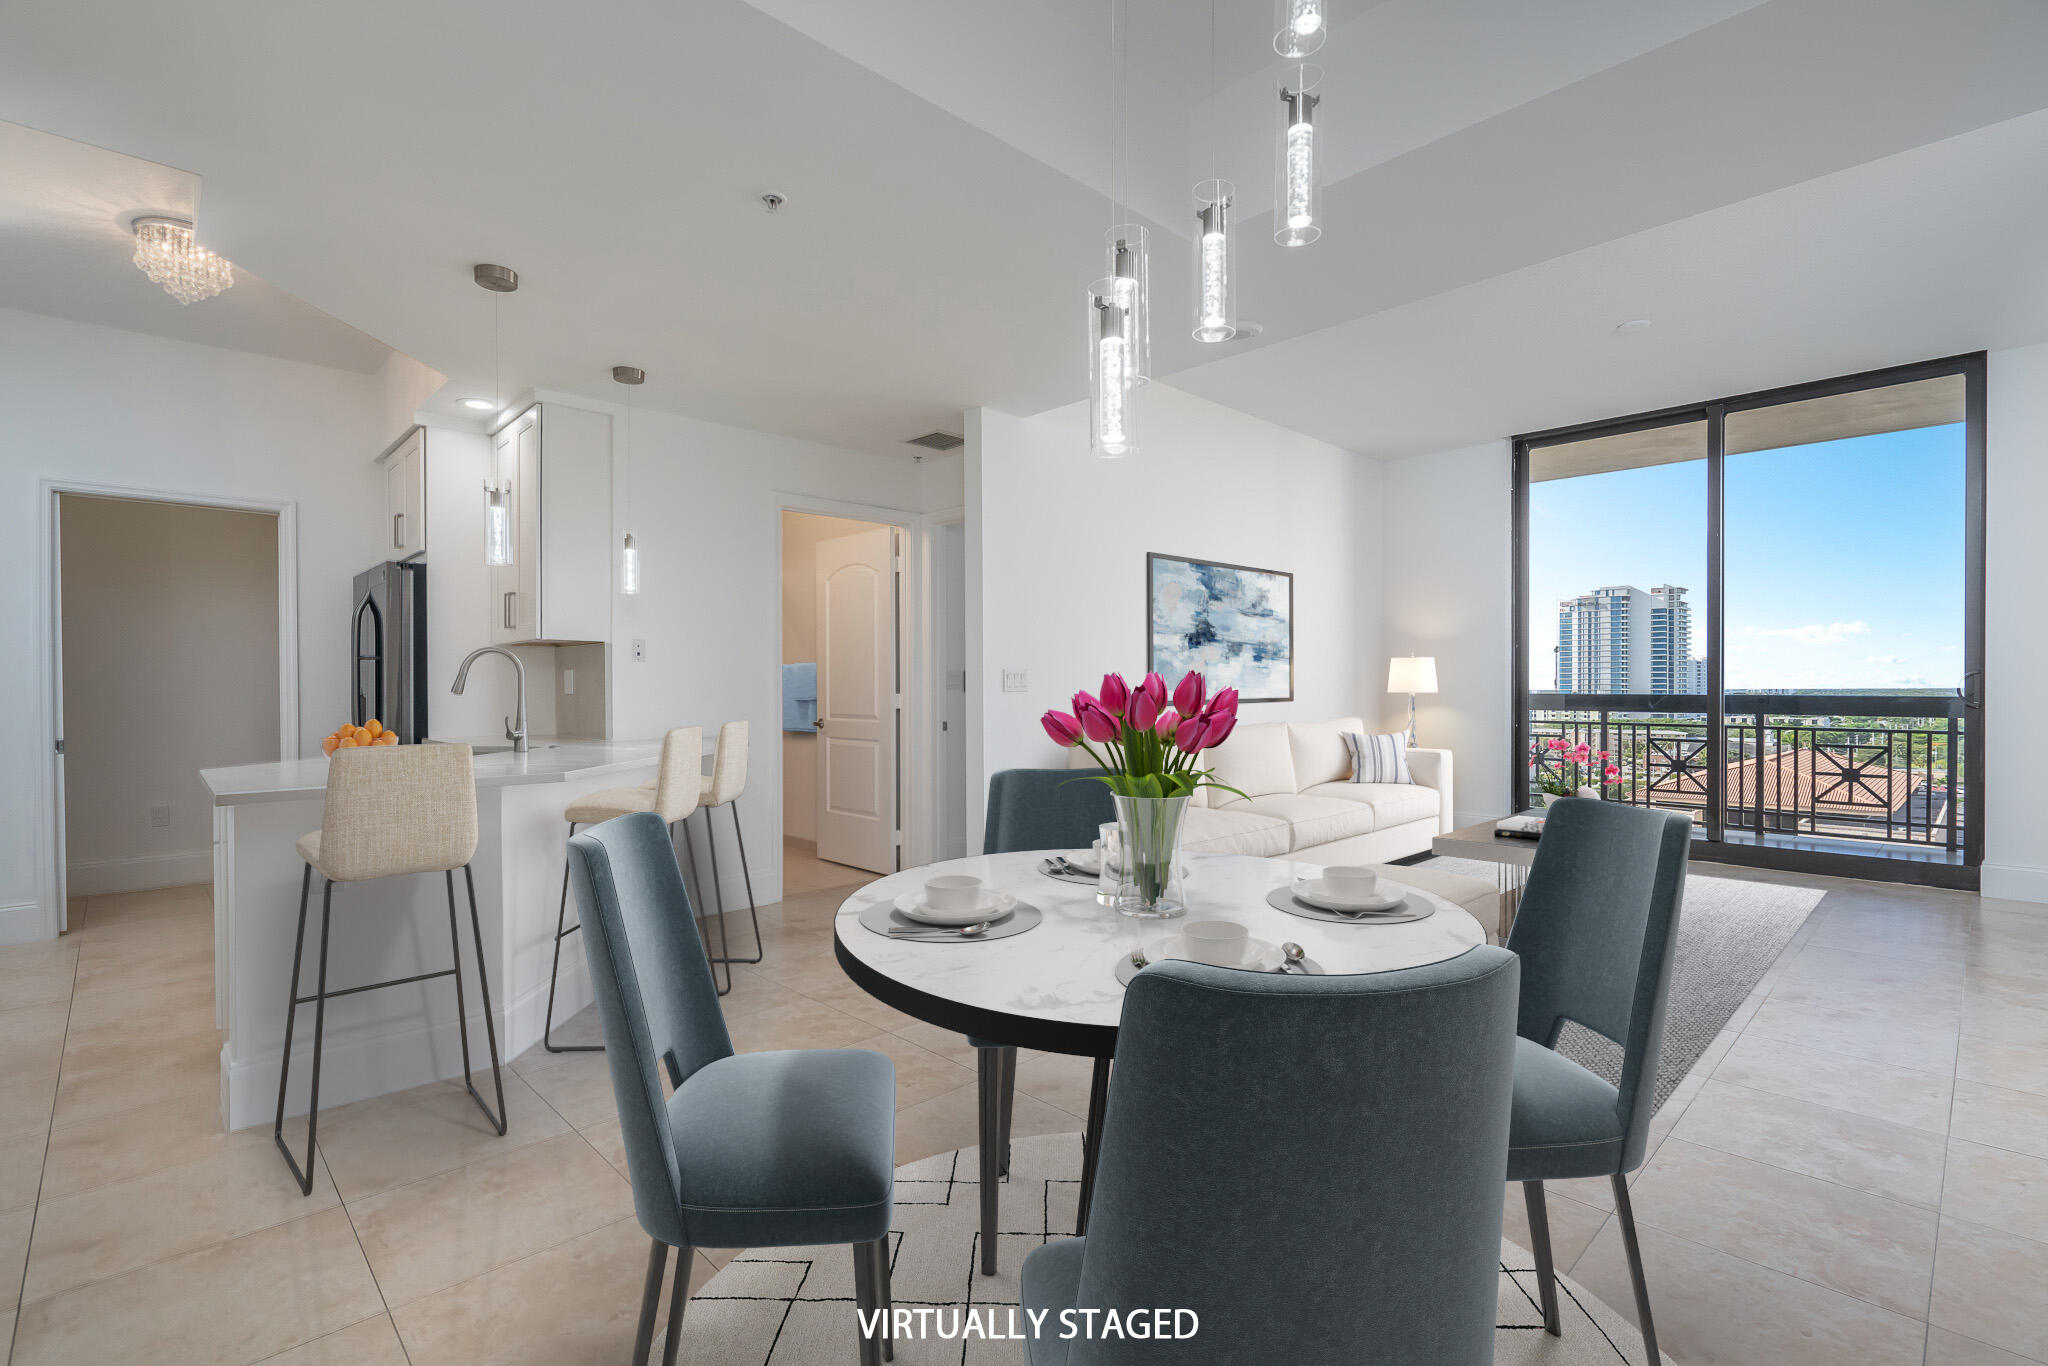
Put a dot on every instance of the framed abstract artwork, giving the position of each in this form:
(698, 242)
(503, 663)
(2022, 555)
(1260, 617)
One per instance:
(1233, 622)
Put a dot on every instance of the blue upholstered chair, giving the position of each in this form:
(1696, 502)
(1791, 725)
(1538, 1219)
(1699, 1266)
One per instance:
(1311, 1164)
(1595, 933)
(1028, 809)
(786, 1149)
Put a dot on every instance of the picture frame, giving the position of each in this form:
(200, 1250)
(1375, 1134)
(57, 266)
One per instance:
(1234, 622)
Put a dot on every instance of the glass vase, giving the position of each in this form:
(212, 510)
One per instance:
(1149, 865)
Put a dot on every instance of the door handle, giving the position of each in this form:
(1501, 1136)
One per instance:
(398, 531)
(818, 724)
(508, 609)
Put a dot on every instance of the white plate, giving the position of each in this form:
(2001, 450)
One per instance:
(988, 906)
(1317, 894)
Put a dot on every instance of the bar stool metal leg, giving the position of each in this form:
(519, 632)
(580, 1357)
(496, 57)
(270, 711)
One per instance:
(304, 1175)
(547, 1027)
(753, 911)
(723, 956)
(483, 985)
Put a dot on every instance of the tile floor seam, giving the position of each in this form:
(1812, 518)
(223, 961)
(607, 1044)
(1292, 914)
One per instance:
(330, 1333)
(369, 1266)
(42, 1172)
(1941, 1198)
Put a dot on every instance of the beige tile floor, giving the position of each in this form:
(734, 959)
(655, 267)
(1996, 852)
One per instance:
(1856, 1172)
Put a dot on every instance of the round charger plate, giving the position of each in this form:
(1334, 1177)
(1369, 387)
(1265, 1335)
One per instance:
(1078, 879)
(1316, 893)
(882, 917)
(990, 905)
(1413, 907)
(1263, 956)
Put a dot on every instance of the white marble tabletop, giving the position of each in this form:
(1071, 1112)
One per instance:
(1064, 971)
(549, 760)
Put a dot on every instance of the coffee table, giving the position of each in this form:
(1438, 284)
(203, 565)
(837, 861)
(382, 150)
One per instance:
(1510, 859)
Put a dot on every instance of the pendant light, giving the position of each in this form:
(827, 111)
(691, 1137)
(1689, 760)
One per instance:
(629, 553)
(1215, 302)
(1301, 26)
(1109, 379)
(1298, 168)
(1119, 329)
(499, 280)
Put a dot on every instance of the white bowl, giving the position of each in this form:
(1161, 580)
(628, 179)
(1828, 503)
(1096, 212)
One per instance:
(1220, 943)
(952, 892)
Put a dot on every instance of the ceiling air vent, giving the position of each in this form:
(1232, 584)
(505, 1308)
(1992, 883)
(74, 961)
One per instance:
(938, 441)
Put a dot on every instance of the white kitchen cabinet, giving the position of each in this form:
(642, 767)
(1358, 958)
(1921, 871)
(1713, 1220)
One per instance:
(405, 495)
(554, 465)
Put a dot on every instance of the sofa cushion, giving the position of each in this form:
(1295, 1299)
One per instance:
(1314, 820)
(1320, 755)
(1236, 830)
(1256, 760)
(1392, 803)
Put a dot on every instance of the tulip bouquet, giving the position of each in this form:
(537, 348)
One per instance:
(1148, 743)
(1561, 769)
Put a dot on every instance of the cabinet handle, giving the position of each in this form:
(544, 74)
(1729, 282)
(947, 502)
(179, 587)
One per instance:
(508, 611)
(398, 531)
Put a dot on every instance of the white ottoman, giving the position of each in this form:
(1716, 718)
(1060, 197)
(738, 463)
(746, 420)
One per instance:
(1481, 898)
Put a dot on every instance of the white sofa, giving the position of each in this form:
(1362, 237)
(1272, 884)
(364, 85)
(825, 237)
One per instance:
(1303, 803)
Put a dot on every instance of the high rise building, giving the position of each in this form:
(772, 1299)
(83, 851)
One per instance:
(1621, 639)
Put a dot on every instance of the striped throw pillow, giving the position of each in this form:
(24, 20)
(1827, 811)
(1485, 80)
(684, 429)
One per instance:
(1378, 758)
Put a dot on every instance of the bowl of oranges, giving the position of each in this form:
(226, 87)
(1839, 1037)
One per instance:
(370, 733)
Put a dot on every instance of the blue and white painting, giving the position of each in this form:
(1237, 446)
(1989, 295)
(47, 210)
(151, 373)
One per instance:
(1234, 624)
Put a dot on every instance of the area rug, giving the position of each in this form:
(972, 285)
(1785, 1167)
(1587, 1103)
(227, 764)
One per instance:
(1730, 931)
(794, 1306)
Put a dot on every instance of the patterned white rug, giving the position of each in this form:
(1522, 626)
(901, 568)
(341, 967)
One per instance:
(794, 1306)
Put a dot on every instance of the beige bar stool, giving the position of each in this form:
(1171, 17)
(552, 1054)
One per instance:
(672, 795)
(723, 787)
(390, 812)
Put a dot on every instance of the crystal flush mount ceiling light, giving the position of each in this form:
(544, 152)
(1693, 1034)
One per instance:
(167, 253)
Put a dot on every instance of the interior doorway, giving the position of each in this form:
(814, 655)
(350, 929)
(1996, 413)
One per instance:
(167, 648)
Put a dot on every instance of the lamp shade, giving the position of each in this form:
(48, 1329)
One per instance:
(1411, 673)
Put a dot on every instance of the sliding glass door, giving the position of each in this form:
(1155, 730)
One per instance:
(1766, 611)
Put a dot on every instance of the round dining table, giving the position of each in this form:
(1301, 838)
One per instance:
(1054, 987)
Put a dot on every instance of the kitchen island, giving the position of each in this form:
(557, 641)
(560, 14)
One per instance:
(384, 1041)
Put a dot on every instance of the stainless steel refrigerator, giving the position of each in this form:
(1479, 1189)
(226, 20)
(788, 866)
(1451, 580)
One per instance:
(389, 630)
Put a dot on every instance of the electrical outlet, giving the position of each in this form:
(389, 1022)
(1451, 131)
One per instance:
(568, 682)
(1016, 680)
(639, 651)
(160, 817)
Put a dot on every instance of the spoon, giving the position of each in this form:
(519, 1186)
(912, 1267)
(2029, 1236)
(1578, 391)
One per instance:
(939, 932)
(1297, 957)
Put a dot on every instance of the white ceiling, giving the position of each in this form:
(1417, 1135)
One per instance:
(1506, 176)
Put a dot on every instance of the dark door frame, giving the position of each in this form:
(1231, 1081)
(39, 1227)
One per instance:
(1714, 413)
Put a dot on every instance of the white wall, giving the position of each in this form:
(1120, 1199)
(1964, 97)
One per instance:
(1059, 537)
(1449, 592)
(94, 404)
(2015, 645)
(170, 666)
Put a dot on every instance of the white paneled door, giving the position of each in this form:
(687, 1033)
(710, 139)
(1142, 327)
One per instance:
(859, 703)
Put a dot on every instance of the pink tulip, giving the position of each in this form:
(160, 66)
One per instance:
(1084, 700)
(1154, 687)
(1064, 729)
(1116, 694)
(1188, 736)
(1224, 703)
(1169, 722)
(1098, 725)
(1144, 710)
(1188, 696)
(1218, 730)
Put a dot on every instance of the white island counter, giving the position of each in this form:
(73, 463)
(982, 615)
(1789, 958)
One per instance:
(384, 1041)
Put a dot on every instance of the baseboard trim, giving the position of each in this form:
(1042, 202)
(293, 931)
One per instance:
(139, 873)
(2014, 881)
(21, 923)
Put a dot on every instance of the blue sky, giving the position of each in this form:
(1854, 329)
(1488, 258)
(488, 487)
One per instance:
(1845, 558)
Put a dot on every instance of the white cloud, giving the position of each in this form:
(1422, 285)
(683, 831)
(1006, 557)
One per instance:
(1884, 659)
(1833, 633)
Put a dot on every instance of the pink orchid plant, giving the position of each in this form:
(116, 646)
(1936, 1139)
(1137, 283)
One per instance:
(1146, 738)
(1570, 767)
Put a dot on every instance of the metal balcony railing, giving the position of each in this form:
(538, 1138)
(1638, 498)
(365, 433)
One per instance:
(1888, 769)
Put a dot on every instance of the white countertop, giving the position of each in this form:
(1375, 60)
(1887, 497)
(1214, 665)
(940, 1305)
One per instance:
(548, 761)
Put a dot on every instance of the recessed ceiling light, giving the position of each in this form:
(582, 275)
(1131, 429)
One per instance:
(480, 404)
(1634, 325)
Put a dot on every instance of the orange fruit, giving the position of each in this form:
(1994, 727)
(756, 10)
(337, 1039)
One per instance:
(387, 738)
(351, 743)
(374, 726)
(329, 745)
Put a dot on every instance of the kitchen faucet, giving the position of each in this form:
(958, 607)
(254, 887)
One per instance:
(515, 731)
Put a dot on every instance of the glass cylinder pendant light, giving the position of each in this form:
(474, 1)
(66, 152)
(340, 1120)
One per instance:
(1302, 28)
(497, 526)
(1109, 371)
(629, 550)
(500, 281)
(1300, 161)
(1215, 306)
(1129, 255)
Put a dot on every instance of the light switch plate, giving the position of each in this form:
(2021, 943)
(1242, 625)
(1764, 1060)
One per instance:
(160, 816)
(1016, 680)
(568, 682)
(639, 651)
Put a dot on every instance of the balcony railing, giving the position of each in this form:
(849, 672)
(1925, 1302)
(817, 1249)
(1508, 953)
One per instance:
(1887, 769)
